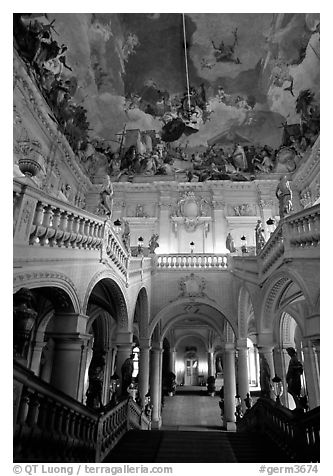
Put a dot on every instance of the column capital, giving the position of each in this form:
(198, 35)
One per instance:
(72, 340)
(229, 347)
(266, 348)
(265, 340)
(156, 347)
(124, 338)
(145, 344)
(241, 344)
(70, 322)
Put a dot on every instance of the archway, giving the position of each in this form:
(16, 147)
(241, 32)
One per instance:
(107, 313)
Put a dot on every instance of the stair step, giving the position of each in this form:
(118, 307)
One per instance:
(195, 447)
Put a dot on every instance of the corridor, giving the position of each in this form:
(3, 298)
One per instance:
(191, 409)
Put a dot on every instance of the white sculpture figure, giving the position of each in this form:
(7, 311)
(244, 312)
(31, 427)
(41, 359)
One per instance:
(284, 195)
(106, 196)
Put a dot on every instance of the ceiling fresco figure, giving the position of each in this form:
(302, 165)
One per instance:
(174, 84)
(226, 53)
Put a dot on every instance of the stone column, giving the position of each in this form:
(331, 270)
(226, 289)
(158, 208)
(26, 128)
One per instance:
(229, 387)
(144, 369)
(242, 372)
(219, 225)
(69, 355)
(124, 342)
(172, 364)
(155, 384)
(211, 363)
(107, 375)
(316, 344)
(311, 375)
(69, 363)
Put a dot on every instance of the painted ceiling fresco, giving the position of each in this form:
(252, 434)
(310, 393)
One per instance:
(247, 80)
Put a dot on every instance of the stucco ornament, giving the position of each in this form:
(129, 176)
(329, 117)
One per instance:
(191, 210)
(192, 286)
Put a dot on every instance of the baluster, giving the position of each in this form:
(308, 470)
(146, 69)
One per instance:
(43, 414)
(92, 238)
(46, 224)
(24, 408)
(72, 424)
(66, 420)
(37, 224)
(55, 226)
(59, 419)
(63, 228)
(33, 410)
(69, 231)
(81, 232)
(85, 233)
(52, 412)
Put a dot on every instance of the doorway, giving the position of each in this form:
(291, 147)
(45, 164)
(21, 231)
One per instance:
(191, 371)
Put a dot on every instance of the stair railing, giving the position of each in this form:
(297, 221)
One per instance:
(297, 435)
(50, 426)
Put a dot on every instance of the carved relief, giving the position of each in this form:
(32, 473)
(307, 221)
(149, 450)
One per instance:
(306, 198)
(23, 228)
(192, 286)
(266, 203)
(191, 211)
(245, 209)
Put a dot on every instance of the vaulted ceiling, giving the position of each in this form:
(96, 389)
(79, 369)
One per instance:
(248, 68)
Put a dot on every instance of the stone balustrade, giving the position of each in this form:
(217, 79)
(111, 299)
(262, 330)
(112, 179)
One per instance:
(303, 228)
(50, 426)
(297, 235)
(41, 220)
(272, 251)
(191, 261)
(297, 434)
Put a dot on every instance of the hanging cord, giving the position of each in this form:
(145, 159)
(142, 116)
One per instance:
(186, 65)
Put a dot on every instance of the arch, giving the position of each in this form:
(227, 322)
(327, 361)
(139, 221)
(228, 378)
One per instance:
(105, 325)
(273, 290)
(192, 334)
(48, 279)
(118, 292)
(141, 311)
(200, 300)
(180, 317)
(245, 311)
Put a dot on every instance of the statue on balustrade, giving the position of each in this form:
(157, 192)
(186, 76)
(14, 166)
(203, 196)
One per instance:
(284, 195)
(126, 374)
(260, 237)
(293, 377)
(126, 236)
(96, 379)
(153, 244)
(106, 194)
(230, 244)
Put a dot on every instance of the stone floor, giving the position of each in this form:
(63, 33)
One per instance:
(191, 409)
